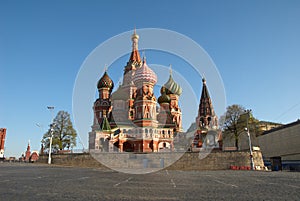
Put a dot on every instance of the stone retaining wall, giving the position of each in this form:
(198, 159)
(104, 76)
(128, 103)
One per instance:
(215, 160)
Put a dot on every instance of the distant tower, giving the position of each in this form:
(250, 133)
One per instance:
(2, 141)
(27, 153)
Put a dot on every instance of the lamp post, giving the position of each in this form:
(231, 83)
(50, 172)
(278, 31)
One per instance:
(51, 108)
(43, 142)
(249, 140)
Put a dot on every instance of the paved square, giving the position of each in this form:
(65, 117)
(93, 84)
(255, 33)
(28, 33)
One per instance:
(43, 182)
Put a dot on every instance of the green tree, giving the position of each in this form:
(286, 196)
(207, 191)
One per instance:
(234, 122)
(64, 135)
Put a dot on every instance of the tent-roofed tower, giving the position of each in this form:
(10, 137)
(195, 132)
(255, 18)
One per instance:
(134, 61)
(28, 152)
(206, 115)
(207, 133)
(128, 87)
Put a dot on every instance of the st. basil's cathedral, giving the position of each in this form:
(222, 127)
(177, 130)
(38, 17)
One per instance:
(129, 120)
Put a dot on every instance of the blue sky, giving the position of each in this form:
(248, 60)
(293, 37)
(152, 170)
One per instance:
(254, 44)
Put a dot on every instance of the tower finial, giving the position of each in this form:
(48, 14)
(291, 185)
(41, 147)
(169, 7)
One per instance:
(203, 79)
(134, 36)
(144, 56)
(105, 68)
(170, 70)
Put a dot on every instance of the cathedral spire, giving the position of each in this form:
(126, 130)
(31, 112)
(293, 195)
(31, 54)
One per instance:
(135, 55)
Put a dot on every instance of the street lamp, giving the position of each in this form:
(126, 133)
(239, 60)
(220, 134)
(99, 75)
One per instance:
(51, 108)
(249, 139)
(42, 128)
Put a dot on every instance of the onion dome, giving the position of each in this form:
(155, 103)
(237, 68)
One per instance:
(120, 94)
(172, 87)
(164, 98)
(105, 82)
(144, 74)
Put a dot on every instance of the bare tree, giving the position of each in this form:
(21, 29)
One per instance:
(234, 122)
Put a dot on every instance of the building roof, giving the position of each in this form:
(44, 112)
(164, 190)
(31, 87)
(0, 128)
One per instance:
(105, 124)
(120, 94)
(282, 127)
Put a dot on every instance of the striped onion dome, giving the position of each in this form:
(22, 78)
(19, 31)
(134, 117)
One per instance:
(172, 87)
(144, 74)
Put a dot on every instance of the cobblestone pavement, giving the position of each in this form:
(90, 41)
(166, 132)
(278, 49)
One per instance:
(43, 182)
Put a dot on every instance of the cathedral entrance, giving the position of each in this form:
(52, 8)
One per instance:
(128, 147)
(164, 146)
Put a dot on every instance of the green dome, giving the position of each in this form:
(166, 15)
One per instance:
(164, 98)
(105, 82)
(172, 87)
(119, 95)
